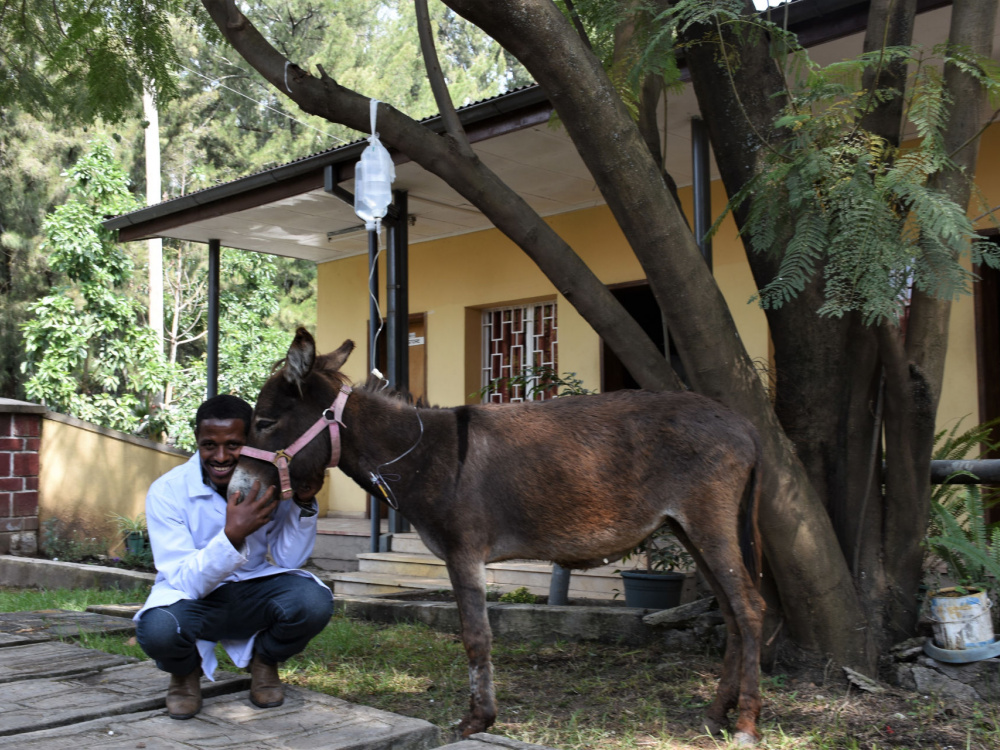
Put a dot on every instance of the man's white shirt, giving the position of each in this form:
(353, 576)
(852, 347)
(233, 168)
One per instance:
(186, 519)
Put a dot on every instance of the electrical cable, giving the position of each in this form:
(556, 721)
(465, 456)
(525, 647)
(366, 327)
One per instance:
(216, 82)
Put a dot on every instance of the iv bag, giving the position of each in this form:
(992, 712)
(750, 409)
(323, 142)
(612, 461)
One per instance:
(373, 177)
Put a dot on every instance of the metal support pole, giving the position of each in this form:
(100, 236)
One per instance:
(397, 321)
(982, 471)
(701, 187)
(374, 323)
(559, 585)
(212, 363)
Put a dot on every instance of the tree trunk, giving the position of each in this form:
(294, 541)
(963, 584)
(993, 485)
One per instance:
(823, 367)
(912, 399)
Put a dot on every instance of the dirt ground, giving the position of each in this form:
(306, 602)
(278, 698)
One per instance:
(652, 692)
(801, 708)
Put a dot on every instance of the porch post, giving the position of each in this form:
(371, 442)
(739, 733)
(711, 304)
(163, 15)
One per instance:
(374, 322)
(398, 318)
(212, 365)
(701, 187)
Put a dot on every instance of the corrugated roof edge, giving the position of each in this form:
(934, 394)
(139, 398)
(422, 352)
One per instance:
(499, 105)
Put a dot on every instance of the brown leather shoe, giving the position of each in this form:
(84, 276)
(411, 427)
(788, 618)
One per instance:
(265, 685)
(184, 695)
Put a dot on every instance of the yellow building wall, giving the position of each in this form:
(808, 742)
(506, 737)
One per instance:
(88, 472)
(453, 278)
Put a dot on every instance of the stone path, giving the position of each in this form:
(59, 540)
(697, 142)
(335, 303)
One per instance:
(59, 696)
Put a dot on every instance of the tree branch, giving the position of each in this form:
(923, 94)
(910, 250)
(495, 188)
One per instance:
(449, 116)
(578, 24)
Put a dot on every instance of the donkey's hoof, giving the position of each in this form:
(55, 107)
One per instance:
(471, 725)
(745, 739)
(712, 727)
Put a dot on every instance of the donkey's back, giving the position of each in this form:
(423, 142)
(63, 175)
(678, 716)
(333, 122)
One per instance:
(582, 479)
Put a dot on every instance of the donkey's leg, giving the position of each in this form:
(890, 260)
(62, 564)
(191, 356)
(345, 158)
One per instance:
(468, 579)
(716, 548)
(727, 691)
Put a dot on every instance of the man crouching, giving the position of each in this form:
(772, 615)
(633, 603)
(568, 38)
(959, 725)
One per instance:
(214, 581)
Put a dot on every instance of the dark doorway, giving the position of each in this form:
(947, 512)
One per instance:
(987, 299)
(641, 305)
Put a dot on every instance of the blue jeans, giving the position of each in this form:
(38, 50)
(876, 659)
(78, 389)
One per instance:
(286, 610)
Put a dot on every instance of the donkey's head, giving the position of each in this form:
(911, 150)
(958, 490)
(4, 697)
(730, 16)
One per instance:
(291, 401)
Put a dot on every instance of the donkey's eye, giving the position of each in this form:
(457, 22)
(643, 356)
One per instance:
(265, 424)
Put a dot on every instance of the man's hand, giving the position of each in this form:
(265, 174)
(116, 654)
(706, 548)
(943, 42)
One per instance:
(244, 518)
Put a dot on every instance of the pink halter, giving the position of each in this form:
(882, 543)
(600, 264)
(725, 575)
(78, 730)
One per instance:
(331, 418)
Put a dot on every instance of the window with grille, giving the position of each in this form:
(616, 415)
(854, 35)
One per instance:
(519, 350)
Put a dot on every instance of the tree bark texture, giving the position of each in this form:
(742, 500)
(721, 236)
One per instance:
(817, 360)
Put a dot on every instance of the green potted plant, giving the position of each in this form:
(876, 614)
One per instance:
(960, 540)
(657, 581)
(132, 531)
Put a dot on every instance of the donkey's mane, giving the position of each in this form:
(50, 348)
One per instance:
(377, 387)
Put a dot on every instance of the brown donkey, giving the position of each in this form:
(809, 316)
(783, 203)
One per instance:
(576, 480)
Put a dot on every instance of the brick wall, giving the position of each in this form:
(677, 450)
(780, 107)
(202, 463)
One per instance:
(20, 438)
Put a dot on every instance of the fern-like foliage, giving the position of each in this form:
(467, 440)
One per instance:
(860, 211)
(969, 548)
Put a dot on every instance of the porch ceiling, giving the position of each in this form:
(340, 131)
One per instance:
(286, 211)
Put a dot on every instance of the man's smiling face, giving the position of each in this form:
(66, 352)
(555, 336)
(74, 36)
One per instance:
(219, 444)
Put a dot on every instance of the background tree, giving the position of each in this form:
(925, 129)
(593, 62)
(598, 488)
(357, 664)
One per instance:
(845, 585)
(84, 61)
(253, 331)
(219, 120)
(32, 158)
(89, 352)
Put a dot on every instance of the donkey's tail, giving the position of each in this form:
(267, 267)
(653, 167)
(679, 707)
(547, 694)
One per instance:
(750, 545)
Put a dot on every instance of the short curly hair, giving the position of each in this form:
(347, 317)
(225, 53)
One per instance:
(224, 406)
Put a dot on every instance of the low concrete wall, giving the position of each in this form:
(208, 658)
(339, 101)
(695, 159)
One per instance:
(533, 622)
(27, 572)
(523, 622)
(690, 627)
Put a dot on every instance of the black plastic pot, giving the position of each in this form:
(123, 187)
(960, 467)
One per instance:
(656, 590)
(135, 542)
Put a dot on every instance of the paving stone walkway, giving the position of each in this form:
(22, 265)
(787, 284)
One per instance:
(56, 695)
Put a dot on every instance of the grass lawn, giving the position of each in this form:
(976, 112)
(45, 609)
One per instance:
(579, 695)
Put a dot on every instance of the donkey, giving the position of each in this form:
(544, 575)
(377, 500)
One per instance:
(577, 480)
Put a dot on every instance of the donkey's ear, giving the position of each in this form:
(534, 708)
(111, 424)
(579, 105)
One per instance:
(301, 356)
(333, 361)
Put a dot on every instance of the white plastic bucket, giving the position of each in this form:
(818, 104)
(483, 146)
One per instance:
(961, 619)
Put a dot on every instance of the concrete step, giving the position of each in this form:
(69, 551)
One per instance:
(340, 540)
(398, 563)
(409, 543)
(359, 583)
(393, 572)
(338, 550)
(373, 584)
